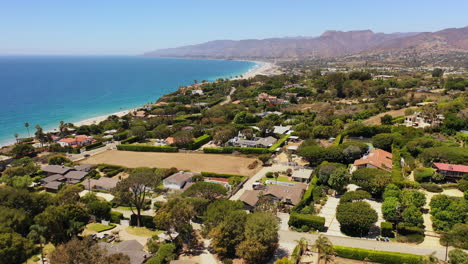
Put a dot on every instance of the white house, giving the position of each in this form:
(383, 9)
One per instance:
(178, 180)
(199, 92)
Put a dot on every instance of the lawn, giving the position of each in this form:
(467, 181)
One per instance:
(128, 208)
(280, 179)
(96, 227)
(142, 231)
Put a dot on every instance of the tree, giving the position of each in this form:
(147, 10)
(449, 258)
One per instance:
(100, 209)
(15, 219)
(139, 132)
(37, 234)
(384, 141)
(458, 256)
(27, 127)
(356, 218)
(339, 179)
(206, 190)
(437, 73)
(69, 194)
(229, 233)
(325, 247)
(14, 248)
(40, 135)
(266, 127)
(136, 188)
(244, 117)
(415, 198)
(21, 150)
(176, 215)
(58, 160)
(391, 209)
(412, 215)
(261, 232)
(85, 251)
(62, 222)
(372, 180)
(386, 120)
(218, 210)
(457, 237)
(223, 134)
(16, 137)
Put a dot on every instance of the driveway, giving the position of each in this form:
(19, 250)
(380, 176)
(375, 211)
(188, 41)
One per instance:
(257, 177)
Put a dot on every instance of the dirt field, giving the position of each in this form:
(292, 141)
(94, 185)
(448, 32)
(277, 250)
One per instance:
(183, 161)
(375, 120)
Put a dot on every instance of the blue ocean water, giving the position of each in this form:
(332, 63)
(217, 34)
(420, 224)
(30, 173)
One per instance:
(43, 90)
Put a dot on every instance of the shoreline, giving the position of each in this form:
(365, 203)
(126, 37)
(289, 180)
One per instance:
(261, 68)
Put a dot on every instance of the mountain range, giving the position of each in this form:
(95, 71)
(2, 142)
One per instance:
(330, 44)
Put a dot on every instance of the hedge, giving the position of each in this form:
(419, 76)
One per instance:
(200, 141)
(219, 175)
(338, 140)
(94, 146)
(129, 140)
(146, 221)
(146, 148)
(115, 217)
(386, 229)
(311, 221)
(279, 143)
(384, 257)
(397, 175)
(431, 187)
(307, 198)
(423, 174)
(239, 149)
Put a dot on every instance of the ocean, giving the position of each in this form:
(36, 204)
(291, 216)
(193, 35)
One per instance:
(44, 90)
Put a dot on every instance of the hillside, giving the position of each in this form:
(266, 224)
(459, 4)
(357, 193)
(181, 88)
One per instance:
(329, 44)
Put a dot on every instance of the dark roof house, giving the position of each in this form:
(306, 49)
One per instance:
(56, 169)
(76, 175)
(132, 248)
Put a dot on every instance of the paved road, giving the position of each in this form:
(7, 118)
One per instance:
(288, 240)
(228, 98)
(78, 157)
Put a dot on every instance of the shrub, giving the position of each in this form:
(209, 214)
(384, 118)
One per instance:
(423, 174)
(269, 174)
(200, 141)
(165, 254)
(454, 155)
(115, 217)
(409, 229)
(354, 196)
(146, 148)
(279, 143)
(238, 149)
(386, 229)
(129, 140)
(384, 257)
(311, 221)
(431, 187)
(458, 256)
(146, 221)
(356, 218)
(216, 150)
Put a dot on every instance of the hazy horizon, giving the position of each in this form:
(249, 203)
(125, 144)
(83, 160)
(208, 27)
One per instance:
(53, 27)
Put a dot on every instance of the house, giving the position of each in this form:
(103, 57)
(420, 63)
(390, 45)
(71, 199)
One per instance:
(56, 169)
(281, 129)
(75, 176)
(110, 132)
(53, 187)
(255, 142)
(197, 92)
(178, 180)
(132, 248)
(376, 158)
(170, 140)
(263, 114)
(264, 97)
(290, 195)
(451, 171)
(420, 120)
(302, 175)
(4, 162)
(52, 178)
(103, 183)
(77, 141)
(83, 167)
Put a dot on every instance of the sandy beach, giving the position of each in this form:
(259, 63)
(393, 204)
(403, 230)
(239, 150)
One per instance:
(263, 68)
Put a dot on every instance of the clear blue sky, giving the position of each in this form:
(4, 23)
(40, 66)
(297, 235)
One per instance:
(133, 27)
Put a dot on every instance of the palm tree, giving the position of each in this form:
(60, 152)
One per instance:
(37, 234)
(325, 247)
(27, 127)
(16, 136)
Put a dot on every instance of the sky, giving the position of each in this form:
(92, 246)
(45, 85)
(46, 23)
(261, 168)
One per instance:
(113, 27)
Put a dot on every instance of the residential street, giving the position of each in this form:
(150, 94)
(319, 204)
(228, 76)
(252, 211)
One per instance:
(288, 240)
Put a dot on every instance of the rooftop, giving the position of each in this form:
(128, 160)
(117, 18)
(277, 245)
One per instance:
(180, 177)
(451, 167)
(378, 158)
(76, 175)
(302, 173)
(57, 169)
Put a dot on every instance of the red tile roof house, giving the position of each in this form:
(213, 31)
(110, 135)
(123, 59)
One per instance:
(376, 158)
(453, 171)
(77, 141)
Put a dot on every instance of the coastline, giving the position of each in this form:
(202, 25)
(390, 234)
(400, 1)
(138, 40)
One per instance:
(261, 68)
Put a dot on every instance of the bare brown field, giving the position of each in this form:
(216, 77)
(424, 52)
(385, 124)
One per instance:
(183, 161)
(375, 120)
